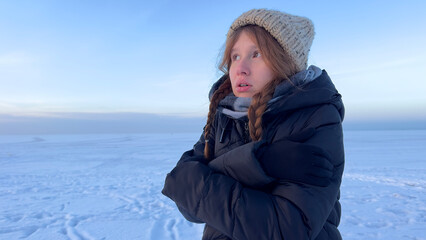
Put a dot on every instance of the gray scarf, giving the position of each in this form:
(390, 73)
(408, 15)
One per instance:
(237, 107)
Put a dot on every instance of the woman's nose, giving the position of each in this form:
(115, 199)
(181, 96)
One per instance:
(243, 67)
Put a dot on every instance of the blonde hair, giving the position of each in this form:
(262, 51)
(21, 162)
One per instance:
(276, 59)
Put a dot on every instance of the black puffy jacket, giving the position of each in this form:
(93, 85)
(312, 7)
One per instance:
(238, 200)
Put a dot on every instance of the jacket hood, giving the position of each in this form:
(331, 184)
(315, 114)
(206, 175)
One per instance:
(319, 90)
(216, 85)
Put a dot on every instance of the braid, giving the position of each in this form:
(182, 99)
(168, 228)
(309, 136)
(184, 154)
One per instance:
(258, 107)
(223, 90)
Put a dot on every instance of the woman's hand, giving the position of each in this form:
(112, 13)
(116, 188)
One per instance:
(184, 184)
(292, 159)
(189, 156)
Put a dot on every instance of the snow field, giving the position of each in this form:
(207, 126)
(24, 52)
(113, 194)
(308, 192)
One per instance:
(109, 186)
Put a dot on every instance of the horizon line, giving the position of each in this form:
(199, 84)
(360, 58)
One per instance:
(133, 122)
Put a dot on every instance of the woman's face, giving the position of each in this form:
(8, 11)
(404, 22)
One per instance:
(248, 72)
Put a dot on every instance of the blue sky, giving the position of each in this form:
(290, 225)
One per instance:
(161, 56)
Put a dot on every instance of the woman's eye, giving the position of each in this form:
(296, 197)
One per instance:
(235, 57)
(257, 54)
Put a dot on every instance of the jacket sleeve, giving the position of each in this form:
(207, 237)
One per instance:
(223, 203)
(316, 203)
(242, 165)
(191, 155)
(288, 211)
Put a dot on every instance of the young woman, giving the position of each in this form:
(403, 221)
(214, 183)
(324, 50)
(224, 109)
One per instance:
(270, 160)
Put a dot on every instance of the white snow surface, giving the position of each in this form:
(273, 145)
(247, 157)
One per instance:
(109, 186)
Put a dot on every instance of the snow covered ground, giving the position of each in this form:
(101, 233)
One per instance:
(108, 186)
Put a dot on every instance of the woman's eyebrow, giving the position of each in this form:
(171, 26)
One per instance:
(252, 48)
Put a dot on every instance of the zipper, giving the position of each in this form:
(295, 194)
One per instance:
(246, 132)
(222, 134)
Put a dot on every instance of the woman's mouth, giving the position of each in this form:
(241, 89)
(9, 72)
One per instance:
(243, 87)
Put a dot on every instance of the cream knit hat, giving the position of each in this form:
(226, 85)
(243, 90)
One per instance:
(295, 34)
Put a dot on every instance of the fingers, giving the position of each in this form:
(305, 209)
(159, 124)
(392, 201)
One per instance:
(321, 169)
(323, 163)
(317, 156)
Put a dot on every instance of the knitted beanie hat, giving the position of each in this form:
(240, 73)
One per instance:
(295, 34)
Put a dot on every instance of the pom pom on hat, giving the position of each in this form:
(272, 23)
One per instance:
(295, 34)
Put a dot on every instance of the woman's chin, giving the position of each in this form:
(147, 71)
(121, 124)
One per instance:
(244, 94)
